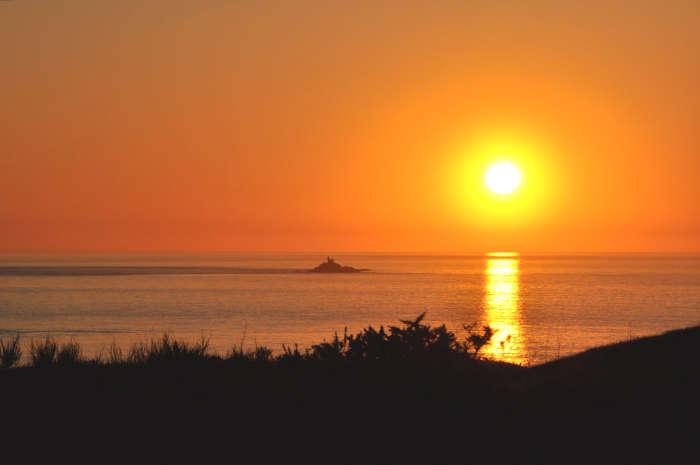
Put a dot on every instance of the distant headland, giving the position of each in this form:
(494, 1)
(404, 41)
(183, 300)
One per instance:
(331, 266)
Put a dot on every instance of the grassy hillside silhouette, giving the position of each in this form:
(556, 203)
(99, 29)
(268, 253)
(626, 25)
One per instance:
(405, 394)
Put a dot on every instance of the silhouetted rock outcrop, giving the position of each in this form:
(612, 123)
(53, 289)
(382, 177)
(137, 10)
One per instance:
(331, 266)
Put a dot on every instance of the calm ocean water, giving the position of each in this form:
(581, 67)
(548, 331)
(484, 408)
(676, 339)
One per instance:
(541, 306)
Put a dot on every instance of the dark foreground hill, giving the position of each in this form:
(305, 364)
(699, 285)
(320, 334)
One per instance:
(634, 402)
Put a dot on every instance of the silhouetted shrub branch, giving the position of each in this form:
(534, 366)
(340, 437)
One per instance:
(475, 341)
(10, 351)
(412, 341)
(43, 353)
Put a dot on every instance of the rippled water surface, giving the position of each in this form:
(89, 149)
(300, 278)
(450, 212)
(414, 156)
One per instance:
(541, 306)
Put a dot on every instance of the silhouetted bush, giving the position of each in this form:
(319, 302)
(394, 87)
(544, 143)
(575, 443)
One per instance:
(115, 355)
(260, 354)
(337, 349)
(411, 341)
(68, 354)
(475, 341)
(294, 355)
(138, 354)
(10, 351)
(169, 349)
(418, 340)
(43, 353)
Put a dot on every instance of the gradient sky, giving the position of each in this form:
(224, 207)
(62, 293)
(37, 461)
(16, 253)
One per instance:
(348, 126)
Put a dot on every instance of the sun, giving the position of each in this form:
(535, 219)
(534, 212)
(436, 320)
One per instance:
(503, 178)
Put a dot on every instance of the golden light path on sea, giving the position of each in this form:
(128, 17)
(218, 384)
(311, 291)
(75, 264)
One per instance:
(502, 307)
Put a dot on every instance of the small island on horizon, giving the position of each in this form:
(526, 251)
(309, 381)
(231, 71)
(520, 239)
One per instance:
(331, 266)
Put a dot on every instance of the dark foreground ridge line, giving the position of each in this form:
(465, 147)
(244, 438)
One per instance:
(409, 393)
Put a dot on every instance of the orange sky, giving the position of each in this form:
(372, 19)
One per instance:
(348, 126)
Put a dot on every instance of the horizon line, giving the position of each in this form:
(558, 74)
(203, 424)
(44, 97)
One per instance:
(490, 252)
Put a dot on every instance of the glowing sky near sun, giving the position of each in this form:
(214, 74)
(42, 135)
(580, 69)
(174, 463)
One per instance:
(205, 126)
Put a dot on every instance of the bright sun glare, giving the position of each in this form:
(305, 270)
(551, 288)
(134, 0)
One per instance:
(503, 178)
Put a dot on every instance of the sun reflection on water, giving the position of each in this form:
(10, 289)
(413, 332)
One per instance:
(502, 306)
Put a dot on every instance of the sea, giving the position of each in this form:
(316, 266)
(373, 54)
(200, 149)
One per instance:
(542, 307)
